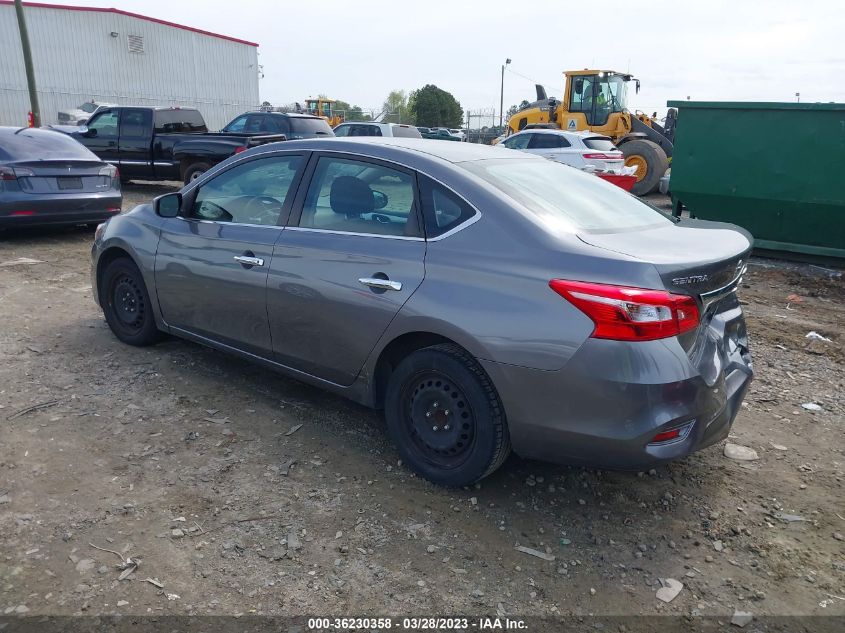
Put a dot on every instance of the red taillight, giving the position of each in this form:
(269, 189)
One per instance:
(30, 119)
(630, 314)
(238, 150)
(671, 435)
(665, 436)
(602, 156)
(22, 213)
(7, 173)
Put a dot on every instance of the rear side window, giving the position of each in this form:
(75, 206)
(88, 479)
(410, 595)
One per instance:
(135, 123)
(36, 144)
(301, 127)
(600, 143)
(167, 121)
(342, 130)
(548, 141)
(442, 208)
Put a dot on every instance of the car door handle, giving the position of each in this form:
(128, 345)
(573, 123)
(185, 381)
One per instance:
(381, 284)
(249, 261)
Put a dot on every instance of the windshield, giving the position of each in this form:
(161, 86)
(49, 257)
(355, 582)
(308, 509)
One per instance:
(565, 199)
(614, 90)
(88, 107)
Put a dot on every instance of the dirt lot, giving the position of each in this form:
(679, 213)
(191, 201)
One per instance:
(244, 492)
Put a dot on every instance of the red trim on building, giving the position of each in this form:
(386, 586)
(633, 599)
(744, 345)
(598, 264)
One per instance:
(66, 7)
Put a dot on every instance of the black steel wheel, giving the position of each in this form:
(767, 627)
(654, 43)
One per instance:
(126, 303)
(445, 416)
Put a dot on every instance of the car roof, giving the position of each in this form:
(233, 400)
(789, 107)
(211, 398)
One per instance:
(398, 148)
(295, 115)
(579, 134)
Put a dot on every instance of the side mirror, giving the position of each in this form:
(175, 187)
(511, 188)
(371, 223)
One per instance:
(89, 132)
(379, 199)
(168, 205)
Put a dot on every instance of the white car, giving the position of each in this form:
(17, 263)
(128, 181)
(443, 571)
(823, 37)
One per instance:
(80, 115)
(369, 128)
(459, 133)
(584, 150)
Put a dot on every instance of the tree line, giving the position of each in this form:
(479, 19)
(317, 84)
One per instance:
(428, 106)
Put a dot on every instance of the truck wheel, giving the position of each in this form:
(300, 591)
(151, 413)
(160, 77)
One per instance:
(445, 417)
(195, 170)
(126, 304)
(651, 163)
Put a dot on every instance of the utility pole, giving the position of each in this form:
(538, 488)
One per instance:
(27, 62)
(502, 93)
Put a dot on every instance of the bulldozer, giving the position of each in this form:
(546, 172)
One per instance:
(596, 100)
(323, 108)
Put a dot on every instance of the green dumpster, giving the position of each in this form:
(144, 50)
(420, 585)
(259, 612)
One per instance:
(775, 169)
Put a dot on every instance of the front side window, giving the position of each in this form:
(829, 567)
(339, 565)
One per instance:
(359, 197)
(88, 107)
(520, 141)
(342, 130)
(251, 193)
(104, 125)
(565, 199)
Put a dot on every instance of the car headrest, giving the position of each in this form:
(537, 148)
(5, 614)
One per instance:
(351, 197)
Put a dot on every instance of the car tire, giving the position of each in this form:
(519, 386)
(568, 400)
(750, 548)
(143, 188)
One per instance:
(194, 171)
(445, 417)
(126, 304)
(652, 156)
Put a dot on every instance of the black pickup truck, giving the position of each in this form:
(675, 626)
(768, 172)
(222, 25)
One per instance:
(147, 143)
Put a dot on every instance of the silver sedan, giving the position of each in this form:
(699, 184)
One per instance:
(483, 298)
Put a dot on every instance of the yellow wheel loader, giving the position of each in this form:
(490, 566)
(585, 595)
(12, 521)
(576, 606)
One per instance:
(596, 100)
(324, 108)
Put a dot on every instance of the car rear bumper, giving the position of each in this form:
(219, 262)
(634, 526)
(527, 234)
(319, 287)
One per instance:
(27, 210)
(606, 406)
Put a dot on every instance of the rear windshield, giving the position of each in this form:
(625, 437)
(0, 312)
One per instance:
(179, 121)
(406, 131)
(600, 143)
(565, 199)
(301, 127)
(35, 144)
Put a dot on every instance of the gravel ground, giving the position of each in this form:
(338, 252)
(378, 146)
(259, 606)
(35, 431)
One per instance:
(244, 492)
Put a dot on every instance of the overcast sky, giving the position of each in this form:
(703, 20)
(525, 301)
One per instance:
(745, 50)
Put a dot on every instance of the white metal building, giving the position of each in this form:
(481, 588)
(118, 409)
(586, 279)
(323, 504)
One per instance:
(108, 55)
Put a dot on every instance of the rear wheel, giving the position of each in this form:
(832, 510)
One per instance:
(445, 416)
(194, 171)
(126, 304)
(651, 163)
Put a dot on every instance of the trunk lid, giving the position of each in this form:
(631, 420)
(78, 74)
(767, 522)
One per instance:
(705, 260)
(61, 176)
(693, 257)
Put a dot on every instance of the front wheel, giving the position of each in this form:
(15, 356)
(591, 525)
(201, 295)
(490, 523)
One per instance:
(445, 417)
(126, 304)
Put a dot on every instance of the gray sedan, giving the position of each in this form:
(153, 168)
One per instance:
(47, 177)
(483, 298)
